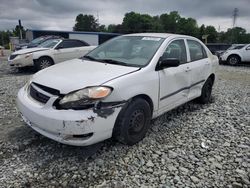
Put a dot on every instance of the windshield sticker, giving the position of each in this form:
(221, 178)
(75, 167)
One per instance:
(151, 38)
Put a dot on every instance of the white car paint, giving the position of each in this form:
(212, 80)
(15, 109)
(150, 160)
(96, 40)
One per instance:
(167, 89)
(26, 57)
(243, 53)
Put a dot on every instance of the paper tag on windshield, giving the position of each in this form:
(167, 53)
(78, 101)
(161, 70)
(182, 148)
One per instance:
(151, 38)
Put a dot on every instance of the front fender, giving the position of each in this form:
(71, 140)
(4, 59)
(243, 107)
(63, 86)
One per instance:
(47, 53)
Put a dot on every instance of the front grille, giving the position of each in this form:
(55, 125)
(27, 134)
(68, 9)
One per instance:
(38, 95)
(13, 57)
(47, 89)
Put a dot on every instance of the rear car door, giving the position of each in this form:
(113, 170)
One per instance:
(199, 67)
(174, 80)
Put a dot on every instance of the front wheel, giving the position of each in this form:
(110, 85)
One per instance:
(133, 122)
(43, 63)
(233, 60)
(206, 92)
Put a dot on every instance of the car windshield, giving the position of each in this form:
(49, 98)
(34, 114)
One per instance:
(236, 47)
(37, 40)
(134, 51)
(49, 43)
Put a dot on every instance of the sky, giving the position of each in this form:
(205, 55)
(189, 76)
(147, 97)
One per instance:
(61, 14)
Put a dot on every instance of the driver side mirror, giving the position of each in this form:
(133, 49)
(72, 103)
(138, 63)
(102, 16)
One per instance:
(59, 47)
(168, 62)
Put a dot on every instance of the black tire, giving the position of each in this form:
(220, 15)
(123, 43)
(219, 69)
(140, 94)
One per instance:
(43, 63)
(206, 92)
(233, 60)
(133, 122)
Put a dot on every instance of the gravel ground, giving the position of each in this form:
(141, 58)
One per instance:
(191, 146)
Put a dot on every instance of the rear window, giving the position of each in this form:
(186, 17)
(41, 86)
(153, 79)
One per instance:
(196, 50)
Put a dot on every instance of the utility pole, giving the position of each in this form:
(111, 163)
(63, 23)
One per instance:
(98, 18)
(20, 29)
(235, 15)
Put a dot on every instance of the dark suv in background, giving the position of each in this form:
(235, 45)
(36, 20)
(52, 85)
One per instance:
(218, 48)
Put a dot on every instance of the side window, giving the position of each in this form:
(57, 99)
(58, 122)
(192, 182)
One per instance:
(196, 50)
(177, 50)
(70, 44)
(80, 43)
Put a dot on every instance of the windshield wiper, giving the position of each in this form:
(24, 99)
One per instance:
(90, 58)
(115, 62)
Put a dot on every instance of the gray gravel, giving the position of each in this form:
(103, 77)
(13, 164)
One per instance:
(191, 146)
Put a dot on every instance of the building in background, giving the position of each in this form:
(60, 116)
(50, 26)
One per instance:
(93, 38)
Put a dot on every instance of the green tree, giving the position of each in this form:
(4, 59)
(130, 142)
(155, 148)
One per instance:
(135, 22)
(4, 38)
(157, 26)
(86, 23)
(212, 34)
(202, 31)
(112, 28)
(188, 26)
(16, 31)
(102, 28)
(235, 35)
(170, 21)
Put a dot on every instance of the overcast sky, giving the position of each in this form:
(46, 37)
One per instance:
(60, 14)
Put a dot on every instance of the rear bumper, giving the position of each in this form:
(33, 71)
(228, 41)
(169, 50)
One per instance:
(73, 127)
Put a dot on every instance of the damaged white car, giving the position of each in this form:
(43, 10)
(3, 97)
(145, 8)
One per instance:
(49, 53)
(116, 89)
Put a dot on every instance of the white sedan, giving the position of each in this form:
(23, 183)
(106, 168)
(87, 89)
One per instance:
(236, 54)
(116, 89)
(49, 53)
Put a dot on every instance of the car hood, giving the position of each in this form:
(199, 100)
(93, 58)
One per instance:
(29, 50)
(77, 74)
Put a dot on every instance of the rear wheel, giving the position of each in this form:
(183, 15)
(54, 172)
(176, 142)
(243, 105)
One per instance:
(206, 92)
(133, 122)
(233, 60)
(43, 63)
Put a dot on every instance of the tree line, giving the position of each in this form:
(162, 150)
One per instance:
(134, 22)
(166, 23)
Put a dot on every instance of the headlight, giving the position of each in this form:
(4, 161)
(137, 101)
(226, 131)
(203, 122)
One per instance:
(28, 55)
(84, 97)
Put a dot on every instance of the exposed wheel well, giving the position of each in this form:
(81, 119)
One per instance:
(212, 76)
(234, 55)
(148, 99)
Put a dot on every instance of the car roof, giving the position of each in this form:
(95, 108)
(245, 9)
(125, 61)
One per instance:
(72, 40)
(161, 35)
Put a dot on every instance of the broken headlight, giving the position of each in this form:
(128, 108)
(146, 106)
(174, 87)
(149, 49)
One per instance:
(84, 98)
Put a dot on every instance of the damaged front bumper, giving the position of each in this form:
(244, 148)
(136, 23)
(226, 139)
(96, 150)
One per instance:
(73, 127)
(21, 61)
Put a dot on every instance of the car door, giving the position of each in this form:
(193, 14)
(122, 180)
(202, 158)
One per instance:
(199, 67)
(246, 53)
(66, 50)
(174, 80)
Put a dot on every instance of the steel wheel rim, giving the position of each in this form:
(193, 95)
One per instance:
(136, 122)
(233, 60)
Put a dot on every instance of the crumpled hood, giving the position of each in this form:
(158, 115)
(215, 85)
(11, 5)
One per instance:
(29, 50)
(77, 74)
